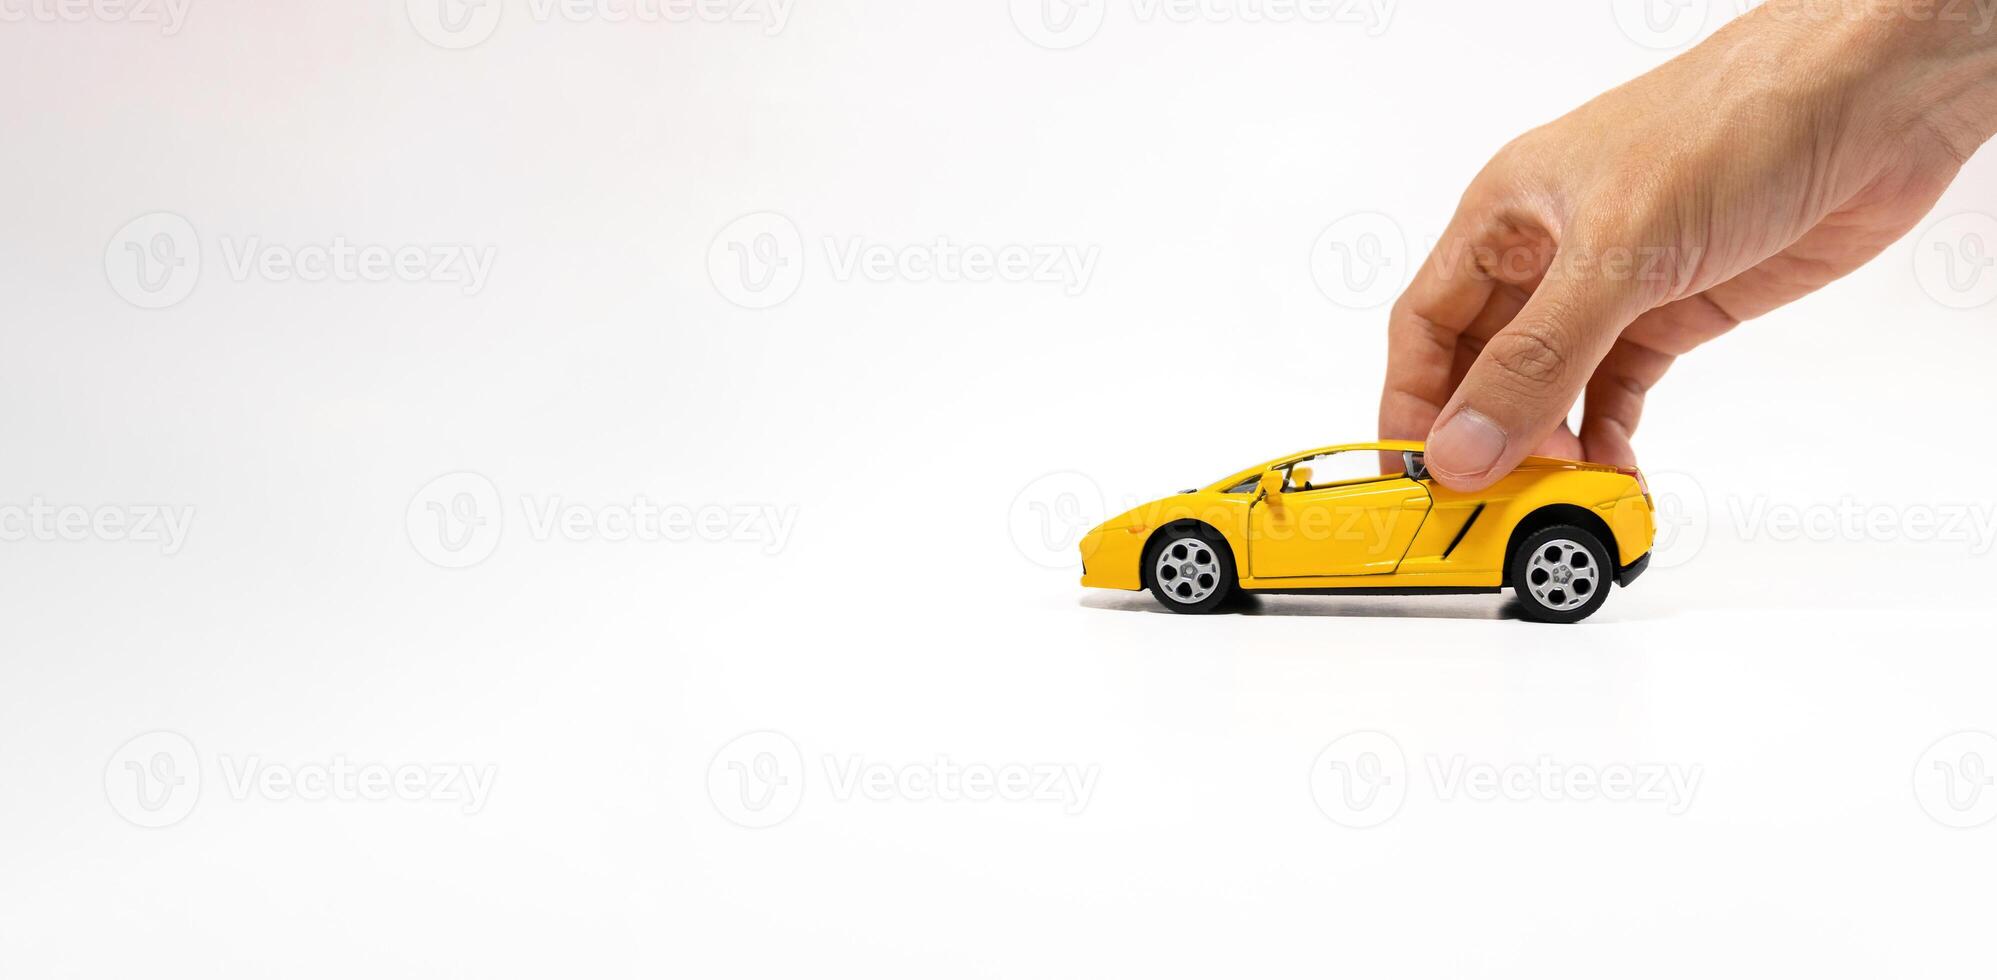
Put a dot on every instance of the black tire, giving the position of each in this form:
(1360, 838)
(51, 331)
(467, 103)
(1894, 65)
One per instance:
(1199, 578)
(1560, 574)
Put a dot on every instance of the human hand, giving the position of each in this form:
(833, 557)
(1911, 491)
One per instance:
(1779, 155)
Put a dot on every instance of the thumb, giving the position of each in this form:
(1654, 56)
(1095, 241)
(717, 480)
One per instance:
(1526, 380)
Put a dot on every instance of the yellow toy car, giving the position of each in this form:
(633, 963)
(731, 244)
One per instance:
(1555, 531)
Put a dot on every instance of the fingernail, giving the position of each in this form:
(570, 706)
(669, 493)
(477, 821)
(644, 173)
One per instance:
(1466, 445)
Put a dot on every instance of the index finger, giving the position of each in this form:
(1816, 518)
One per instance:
(1447, 294)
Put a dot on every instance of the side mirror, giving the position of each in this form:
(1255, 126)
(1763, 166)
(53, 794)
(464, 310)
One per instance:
(1270, 486)
(1414, 465)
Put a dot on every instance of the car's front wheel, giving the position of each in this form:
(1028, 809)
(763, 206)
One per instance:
(1561, 574)
(1190, 568)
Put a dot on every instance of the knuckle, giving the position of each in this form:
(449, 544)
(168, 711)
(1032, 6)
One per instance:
(1401, 315)
(1528, 359)
(1633, 205)
(1523, 148)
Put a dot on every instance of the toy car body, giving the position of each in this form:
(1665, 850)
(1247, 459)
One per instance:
(1555, 531)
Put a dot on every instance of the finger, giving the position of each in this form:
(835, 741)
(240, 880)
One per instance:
(1646, 349)
(1562, 444)
(1616, 393)
(1821, 256)
(1522, 386)
(1446, 296)
(1615, 399)
(1504, 305)
(1655, 339)
(1677, 327)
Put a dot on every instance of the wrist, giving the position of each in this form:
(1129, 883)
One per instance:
(1929, 67)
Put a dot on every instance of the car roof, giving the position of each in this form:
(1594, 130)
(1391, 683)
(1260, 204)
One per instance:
(1384, 446)
(1387, 446)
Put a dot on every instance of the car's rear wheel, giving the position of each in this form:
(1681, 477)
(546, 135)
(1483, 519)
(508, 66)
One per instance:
(1561, 574)
(1190, 568)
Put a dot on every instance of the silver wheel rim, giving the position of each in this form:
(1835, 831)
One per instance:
(1562, 575)
(1187, 570)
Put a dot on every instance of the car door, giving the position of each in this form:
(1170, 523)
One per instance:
(1356, 527)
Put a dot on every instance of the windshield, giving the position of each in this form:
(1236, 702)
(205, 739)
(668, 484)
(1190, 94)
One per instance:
(1336, 468)
(1244, 486)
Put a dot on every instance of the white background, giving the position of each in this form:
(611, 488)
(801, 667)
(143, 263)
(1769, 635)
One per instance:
(933, 449)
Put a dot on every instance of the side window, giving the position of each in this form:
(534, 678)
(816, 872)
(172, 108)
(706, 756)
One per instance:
(1335, 469)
